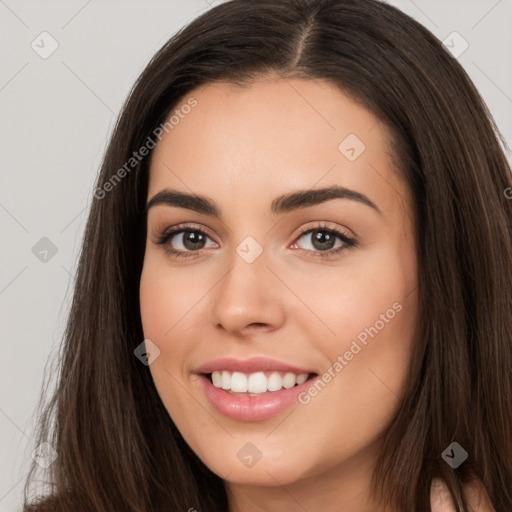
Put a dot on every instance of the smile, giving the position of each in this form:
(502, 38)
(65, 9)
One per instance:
(256, 383)
(254, 406)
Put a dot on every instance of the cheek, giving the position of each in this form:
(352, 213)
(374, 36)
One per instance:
(371, 314)
(364, 301)
(168, 300)
(369, 359)
(160, 308)
(169, 307)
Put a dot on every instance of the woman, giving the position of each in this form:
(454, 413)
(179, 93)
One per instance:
(295, 284)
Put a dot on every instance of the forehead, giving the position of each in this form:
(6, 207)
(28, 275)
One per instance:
(269, 138)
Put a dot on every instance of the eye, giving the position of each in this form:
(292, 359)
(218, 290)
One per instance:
(189, 239)
(323, 241)
(185, 241)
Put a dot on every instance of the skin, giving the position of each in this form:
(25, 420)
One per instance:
(243, 148)
(474, 492)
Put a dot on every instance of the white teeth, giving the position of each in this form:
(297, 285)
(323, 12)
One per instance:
(257, 382)
(275, 382)
(238, 382)
(226, 380)
(217, 379)
(303, 377)
(289, 380)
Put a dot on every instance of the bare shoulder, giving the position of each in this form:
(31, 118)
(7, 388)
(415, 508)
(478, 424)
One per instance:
(47, 504)
(42, 506)
(474, 493)
(477, 496)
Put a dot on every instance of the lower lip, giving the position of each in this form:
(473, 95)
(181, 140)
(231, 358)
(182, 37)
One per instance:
(252, 408)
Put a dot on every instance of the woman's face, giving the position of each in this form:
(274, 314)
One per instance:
(251, 284)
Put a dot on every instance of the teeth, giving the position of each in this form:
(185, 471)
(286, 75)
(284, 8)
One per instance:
(289, 380)
(259, 382)
(275, 382)
(238, 382)
(226, 381)
(303, 377)
(217, 379)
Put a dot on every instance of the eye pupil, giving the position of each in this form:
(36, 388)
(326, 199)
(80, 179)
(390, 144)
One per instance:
(192, 238)
(325, 240)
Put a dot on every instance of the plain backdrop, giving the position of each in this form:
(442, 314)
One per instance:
(66, 67)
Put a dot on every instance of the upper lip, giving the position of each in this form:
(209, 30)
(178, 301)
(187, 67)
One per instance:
(252, 365)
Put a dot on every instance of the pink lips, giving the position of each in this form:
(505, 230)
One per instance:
(245, 407)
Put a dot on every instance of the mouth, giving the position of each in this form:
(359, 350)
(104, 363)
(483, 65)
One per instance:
(257, 383)
(254, 397)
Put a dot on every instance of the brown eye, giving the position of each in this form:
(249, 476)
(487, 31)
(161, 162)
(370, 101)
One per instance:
(191, 240)
(183, 242)
(322, 241)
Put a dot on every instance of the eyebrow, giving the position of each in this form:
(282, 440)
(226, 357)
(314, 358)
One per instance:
(282, 204)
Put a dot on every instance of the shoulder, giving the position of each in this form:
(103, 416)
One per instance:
(48, 504)
(474, 493)
(477, 496)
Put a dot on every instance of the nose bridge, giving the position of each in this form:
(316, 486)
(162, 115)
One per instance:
(248, 264)
(246, 295)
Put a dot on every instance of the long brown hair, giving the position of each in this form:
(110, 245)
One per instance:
(118, 449)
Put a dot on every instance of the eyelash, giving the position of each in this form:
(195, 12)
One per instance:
(348, 242)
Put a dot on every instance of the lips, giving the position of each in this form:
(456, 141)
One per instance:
(248, 406)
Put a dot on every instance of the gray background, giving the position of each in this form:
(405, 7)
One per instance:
(56, 116)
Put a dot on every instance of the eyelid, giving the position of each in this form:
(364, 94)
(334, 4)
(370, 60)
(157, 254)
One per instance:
(303, 229)
(328, 226)
(184, 226)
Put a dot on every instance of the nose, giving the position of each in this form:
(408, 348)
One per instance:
(248, 299)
